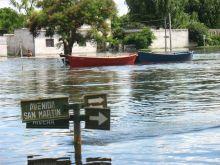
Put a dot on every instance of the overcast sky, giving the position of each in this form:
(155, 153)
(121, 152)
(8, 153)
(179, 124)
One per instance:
(122, 8)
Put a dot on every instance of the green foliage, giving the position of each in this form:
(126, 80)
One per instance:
(10, 20)
(208, 11)
(25, 6)
(118, 27)
(152, 11)
(197, 31)
(193, 14)
(141, 40)
(214, 41)
(66, 17)
(126, 22)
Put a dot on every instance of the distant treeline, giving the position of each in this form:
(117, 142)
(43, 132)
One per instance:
(183, 11)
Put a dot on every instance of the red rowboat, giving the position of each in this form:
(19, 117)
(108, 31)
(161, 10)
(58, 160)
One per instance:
(86, 61)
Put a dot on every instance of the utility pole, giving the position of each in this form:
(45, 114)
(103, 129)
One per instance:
(170, 32)
(165, 28)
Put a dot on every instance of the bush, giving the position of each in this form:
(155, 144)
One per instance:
(196, 32)
(141, 40)
(214, 41)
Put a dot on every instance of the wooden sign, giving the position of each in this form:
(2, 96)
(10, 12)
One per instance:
(96, 100)
(44, 109)
(50, 124)
(97, 118)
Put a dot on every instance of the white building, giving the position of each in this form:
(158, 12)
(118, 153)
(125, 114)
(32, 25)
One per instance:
(42, 46)
(180, 38)
(21, 40)
(214, 32)
(3, 46)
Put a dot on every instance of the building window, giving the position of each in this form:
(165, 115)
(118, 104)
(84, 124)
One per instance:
(49, 42)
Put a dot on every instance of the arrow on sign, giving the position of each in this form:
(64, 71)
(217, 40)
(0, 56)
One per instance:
(101, 118)
(95, 100)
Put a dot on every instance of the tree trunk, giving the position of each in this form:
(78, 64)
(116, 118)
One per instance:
(68, 43)
(67, 48)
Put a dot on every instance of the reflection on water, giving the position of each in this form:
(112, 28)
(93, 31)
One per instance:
(98, 161)
(166, 113)
(49, 161)
(66, 161)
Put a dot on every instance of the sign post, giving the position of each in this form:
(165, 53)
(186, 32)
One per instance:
(77, 134)
(52, 113)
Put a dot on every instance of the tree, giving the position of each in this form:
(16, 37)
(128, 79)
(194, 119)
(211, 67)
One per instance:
(118, 27)
(24, 6)
(10, 20)
(153, 12)
(119, 24)
(208, 11)
(182, 11)
(141, 40)
(197, 31)
(66, 17)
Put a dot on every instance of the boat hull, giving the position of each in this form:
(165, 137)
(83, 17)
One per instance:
(79, 61)
(149, 57)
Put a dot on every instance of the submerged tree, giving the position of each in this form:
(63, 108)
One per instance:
(66, 18)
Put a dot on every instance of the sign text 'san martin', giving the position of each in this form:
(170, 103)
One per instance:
(44, 109)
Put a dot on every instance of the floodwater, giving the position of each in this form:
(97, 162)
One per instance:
(160, 114)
